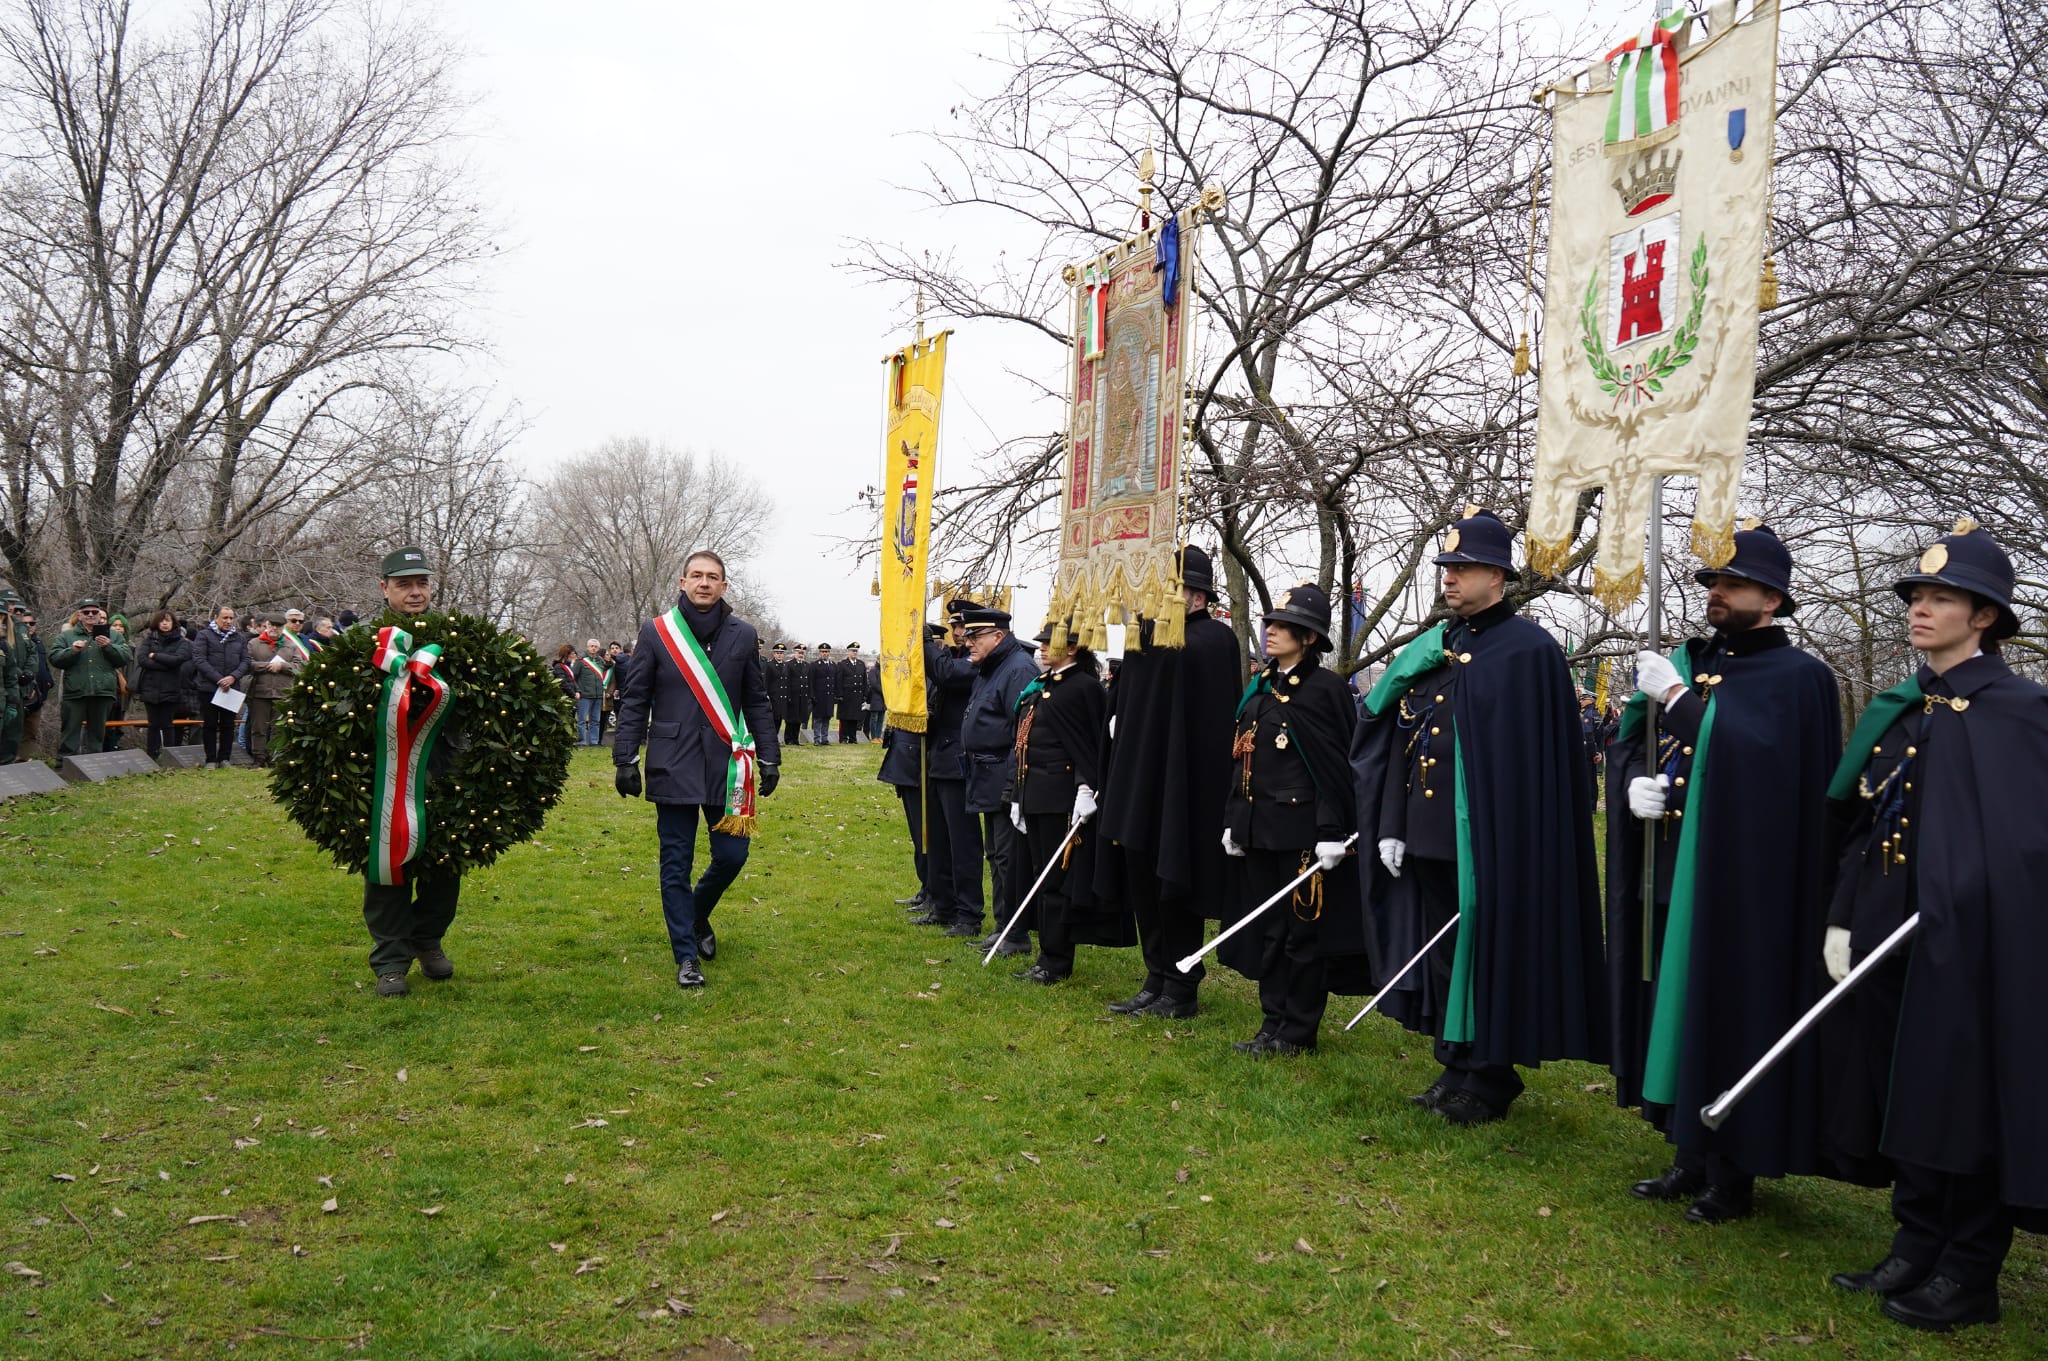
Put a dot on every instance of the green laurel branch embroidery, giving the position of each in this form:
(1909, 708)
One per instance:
(1663, 361)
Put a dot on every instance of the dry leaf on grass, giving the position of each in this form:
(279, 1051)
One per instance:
(558, 1247)
(206, 1219)
(1302, 1245)
(20, 1269)
(720, 1215)
(401, 1075)
(431, 1210)
(329, 1205)
(944, 1224)
(118, 1011)
(587, 1265)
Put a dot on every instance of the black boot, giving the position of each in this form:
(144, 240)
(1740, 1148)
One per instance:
(1941, 1305)
(1892, 1276)
(1145, 998)
(1673, 1183)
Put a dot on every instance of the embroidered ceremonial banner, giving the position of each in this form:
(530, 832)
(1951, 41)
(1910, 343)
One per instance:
(1133, 327)
(1650, 295)
(910, 455)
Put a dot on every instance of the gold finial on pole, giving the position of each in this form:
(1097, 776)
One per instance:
(1145, 172)
(920, 299)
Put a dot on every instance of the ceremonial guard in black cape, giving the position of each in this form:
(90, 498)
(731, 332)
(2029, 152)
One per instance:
(698, 698)
(853, 692)
(951, 674)
(1473, 790)
(824, 694)
(1289, 809)
(1003, 666)
(906, 766)
(1060, 731)
(1749, 732)
(1159, 837)
(1935, 1059)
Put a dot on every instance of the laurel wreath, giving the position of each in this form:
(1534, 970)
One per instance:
(1663, 361)
(502, 757)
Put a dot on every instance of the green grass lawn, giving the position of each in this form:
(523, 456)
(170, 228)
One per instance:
(854, 1142)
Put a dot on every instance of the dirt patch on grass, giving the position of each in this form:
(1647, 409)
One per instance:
(717, 1349)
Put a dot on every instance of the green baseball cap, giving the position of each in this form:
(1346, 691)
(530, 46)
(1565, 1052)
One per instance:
(409, 561)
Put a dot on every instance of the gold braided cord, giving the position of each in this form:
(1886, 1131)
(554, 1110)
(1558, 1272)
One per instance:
(1529, 259)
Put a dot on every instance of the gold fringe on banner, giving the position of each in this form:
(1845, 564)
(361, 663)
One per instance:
(1713, 545)
(1547, 557)
(907, 722)
(1616, 592)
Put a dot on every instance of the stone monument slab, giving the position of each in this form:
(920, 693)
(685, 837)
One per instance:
(27, 777)
(96, 766)
(181, 758)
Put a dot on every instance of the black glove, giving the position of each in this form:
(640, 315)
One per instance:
(627, 777)
(771, 776)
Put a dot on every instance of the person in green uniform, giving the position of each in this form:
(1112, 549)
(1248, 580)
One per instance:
(91, 656)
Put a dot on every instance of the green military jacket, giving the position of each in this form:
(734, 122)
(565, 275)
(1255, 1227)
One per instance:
(90, 672)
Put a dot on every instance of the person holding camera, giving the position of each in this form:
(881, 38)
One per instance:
(91, 658)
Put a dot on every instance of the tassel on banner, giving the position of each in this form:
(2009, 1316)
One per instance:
(1767, 287)
(1616, 592)
(1547, 557)
(1522, 355)
(1711, 544)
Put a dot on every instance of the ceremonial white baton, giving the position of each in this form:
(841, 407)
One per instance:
(1248, 918)
(1718, 1110)
(1004, 934)
(1388, 986)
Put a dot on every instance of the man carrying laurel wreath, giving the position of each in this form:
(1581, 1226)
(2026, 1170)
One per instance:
(699, 699)
(407, 919)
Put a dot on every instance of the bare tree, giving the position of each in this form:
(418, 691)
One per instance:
(615, 525)
(217, 234)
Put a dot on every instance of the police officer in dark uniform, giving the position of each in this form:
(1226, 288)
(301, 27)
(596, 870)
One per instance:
(853, 693)
(824, 694)
(1749, 731)
(1473, 793)
(1002, 666)
(796, 717)
(950, 673)
(778, 684)
(1290, 809)
(1167, 773)
(1938, 1072)
(906, 766)
(1060, 726)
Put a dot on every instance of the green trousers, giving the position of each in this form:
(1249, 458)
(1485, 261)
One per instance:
(405, 917)
(85, 724)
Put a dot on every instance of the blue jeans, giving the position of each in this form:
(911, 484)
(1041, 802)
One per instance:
(687, 910)
(821, 730)
(587, 714)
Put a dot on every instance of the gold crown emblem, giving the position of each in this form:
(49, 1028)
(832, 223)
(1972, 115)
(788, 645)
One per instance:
(1648, 181)
(1934, 559)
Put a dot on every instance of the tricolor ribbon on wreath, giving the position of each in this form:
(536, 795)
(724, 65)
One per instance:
(741, 771)
(405, 739)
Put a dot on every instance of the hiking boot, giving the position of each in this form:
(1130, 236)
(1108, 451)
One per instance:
(434, 964)
(392, 985)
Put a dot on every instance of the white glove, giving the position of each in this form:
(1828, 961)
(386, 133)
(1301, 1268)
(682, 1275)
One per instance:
(1655, 675)
(1835, 950)
(1330, 854)
(1017, 816)
(1112, 727)
(1392, 852)
(1230, 846)
(1646, 796)
(1084, 804)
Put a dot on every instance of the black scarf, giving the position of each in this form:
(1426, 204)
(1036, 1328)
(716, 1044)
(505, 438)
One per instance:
(703, 623)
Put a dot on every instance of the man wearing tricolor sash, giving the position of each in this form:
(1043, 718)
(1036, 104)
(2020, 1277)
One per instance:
(698, 699)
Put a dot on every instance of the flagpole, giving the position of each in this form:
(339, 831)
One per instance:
(1653, 705)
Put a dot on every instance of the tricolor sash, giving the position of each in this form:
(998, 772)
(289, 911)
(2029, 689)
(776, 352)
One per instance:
(740, 772)
(405, 738)
(305, 652)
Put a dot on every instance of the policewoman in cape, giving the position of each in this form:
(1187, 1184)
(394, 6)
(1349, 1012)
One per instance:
(1060, 727)
(1749, 732)
(1474, 794)
(1935, 1060)
(697, 696)
(1288, 810)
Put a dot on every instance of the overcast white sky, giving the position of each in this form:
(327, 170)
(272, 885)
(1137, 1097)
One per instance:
(676, 183)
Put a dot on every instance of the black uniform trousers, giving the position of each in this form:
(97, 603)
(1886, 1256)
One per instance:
(792, 730)
(406, 918)
(1951, 1223)
(1167, 933)
(1293, 987)
(931, 849)
(962, 831)
(1040, 842)
(1436, 887)
(1003, 847)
